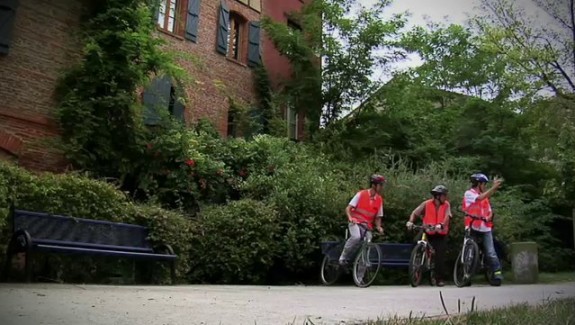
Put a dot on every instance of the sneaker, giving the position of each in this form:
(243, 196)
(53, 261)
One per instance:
(497, 275)
(440, 283)
(343, 263)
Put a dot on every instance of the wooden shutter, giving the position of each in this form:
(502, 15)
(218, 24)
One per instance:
(192, 21)
(7, 16)
(156, 99)
(178, 111)
(254, 57)
(223, 29)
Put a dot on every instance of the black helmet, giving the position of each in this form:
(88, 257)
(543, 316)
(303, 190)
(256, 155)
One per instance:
(439, 189)
(376, 179)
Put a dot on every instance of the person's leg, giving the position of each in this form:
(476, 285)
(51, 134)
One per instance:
(351, 243)
(491, 254)
(439, 244)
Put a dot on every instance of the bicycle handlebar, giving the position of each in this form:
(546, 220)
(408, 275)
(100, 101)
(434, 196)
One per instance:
(426, 227)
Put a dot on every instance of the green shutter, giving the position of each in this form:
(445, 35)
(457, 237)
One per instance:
(156, 99)
(193, 20)
(223, 29)
(7, 17)
(254, 57)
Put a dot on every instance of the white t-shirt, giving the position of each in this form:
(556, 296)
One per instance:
(355, 200)
(470, 197)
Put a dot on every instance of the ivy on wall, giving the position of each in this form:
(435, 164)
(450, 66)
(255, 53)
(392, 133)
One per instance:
(99, 111)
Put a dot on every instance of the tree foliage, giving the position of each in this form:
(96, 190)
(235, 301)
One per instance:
(333, 57)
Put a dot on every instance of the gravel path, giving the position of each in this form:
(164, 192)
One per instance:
(36, 304)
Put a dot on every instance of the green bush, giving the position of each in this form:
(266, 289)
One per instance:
(235, 243)
(69, 194)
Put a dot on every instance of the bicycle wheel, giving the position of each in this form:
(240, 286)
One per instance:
(366, 265)
(465, 267)
(330, 268)
(416, 262)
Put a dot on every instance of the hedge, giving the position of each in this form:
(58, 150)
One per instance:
(78, 196)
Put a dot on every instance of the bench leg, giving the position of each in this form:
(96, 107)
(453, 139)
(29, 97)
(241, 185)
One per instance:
(7, 266)
(29, 266)
(173, 272)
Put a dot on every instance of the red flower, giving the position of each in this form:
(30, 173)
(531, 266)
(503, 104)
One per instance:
(190, 162)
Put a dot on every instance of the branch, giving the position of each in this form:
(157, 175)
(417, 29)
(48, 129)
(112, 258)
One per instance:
(557, 66)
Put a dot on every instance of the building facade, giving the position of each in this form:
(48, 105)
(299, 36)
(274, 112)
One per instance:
(221, 40)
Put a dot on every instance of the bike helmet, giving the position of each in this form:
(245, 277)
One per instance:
(479, 178)
(439, 189)
(376, 179)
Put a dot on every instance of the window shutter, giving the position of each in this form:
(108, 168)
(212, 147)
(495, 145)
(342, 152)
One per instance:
(156, 99)
(223, 29)
(178, 111)
(7, 16)
(254, 57)
(193, 20)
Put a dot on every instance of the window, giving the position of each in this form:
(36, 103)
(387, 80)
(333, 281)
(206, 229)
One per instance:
(292, 121)
(167, 15)
(254, 4)
(236, 37)
(160, 99)
(293, 28)
(235, 34)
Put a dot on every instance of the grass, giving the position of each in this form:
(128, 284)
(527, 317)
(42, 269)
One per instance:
(560, 311)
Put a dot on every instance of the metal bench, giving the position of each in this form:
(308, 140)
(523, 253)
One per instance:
(34, 232)
(394, 255)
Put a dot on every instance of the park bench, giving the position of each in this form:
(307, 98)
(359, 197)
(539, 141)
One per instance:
(34, 232)
(393, 255)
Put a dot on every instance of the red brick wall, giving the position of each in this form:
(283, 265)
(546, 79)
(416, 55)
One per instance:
(215, 77)
(41, 46)
(278, 66)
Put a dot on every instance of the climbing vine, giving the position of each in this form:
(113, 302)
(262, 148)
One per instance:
(99, 109)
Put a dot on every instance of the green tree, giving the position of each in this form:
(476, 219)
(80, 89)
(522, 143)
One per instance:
(539, 51)
(333, 57)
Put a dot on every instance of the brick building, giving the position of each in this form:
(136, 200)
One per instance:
(37, 44)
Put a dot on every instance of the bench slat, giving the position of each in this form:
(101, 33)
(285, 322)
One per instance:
(43, 226)
(80, 250)
(88, 245)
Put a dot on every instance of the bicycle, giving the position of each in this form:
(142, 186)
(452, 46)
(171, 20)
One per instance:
(471, 260)
(422, 258)
(367, 261)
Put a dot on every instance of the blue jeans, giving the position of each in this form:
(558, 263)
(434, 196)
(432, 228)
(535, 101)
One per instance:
(489, 249)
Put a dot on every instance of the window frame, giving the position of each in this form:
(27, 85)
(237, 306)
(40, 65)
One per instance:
(240, 55)
(177, 13)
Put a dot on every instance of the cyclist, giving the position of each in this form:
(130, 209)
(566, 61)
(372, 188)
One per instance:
(476, 203)
(436, 212)
(365, 208)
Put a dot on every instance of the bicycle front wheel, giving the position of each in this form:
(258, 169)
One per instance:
(416, 264)
(330, 268)
(366, 265)
(466, 264)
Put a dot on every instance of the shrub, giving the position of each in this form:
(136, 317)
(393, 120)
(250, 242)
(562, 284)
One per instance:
(74, 195)
(235, 243)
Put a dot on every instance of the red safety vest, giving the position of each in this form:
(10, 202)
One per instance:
(481, 208)
(367, 208)
(435, 215)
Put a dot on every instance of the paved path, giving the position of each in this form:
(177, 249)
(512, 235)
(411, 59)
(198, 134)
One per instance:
(36, 304)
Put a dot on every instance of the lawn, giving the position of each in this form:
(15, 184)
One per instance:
(561, 311)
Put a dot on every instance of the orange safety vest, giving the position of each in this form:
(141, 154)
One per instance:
(480, 208)
(367, 208)
(435, 215)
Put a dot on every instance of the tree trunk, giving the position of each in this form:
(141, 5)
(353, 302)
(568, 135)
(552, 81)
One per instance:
(574, 227)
